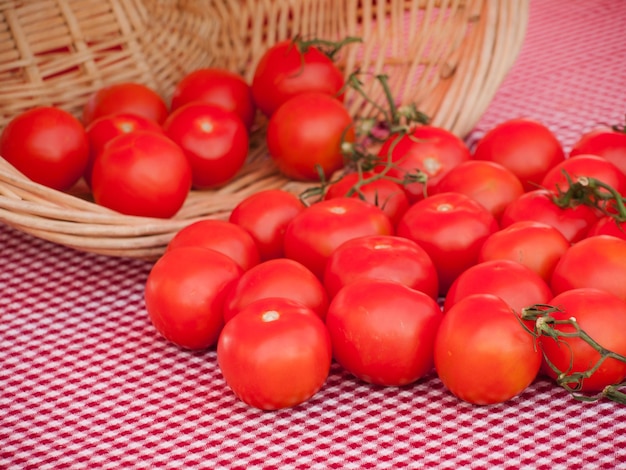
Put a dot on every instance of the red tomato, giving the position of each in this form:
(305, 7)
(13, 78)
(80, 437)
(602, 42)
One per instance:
(48, 145)
(219, 235)
(608, 225)
(450, 227)
(432, 150)
(482, 353)
(489, 183)
(287, 69)
(185, 292)
(141, 173)
(306, 134)
(214, 140)
(103, 129)
(536, 245)
(383, 332)
(319, 229)
(598, 262)
(516, 284)
(127, 98)
(219, 87)
(605, 142)
(526, 147)
(539, 206)
(384, 193)
(602, 316)
(384, 257)
(265, 215)
(284, 278)
(274, 354)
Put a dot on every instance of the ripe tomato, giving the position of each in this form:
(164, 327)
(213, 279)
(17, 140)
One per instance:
(319, 229)
(214, 140)
(536, 245)
(265, 215)
(386, 257)
(432, 150)
(518, 285)
(605, 142)
(482, 353)
(185, 292)
(141, 173)
(489, 183)
(602, 316)
(383, 332)
(598, 261)
(306, 134)
(275, 354)
(219, 87)
(48, 145)
(608, 225)
(450, 227)
(127, 98)
(287, 69)
(219, 235)
(282, 277)
(526, 147)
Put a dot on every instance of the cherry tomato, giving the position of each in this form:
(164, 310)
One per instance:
(383, 332)
(219, 87)
(185, 292)
(219, 235)
(605, 142)
(319, 229)
(265, 215)
(289, 68)
(141, 173)
(127, 98)
(386, 257)
(602, 316)
(48, 145)
(526, 147)
(608, 225)
(275, 354)
(450, 227)
(306, 133)
(282, 277)
(214, 140)
(482, 353)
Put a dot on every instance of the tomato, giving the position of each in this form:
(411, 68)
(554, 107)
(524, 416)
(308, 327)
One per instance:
(526, 147)
(306, 134)
(386, 257)
(516, 284)
(482, 353)
(219, 87)
(141, 173)
(289, 68)
(384, 193)
(451, 228)
(598, 261)
(282, 277)
(429, 149)
(539, 206)
(104, 128)
(602, 316)
(383, 332)
(214, 140)
(185, 292)
(274, 354)
(219, 235)
(489, 183)
(536, 245)
(608, 225)
(607, 143)
(48, 145)
(319, 229)
(127, 98)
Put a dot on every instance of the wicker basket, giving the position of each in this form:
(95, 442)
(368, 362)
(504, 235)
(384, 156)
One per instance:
(446, 56)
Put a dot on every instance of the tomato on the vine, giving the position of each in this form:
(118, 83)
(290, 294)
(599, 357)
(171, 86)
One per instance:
(606, 142)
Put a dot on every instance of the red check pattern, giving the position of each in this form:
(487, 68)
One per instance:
(87, 383)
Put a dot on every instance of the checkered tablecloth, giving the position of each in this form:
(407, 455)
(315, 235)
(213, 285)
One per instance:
(87, 383)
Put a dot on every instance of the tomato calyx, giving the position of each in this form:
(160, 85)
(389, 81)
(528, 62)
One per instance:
(325, 46)
(620, 128)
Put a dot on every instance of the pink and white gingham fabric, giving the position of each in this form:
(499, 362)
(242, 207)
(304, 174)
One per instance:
(87, 383)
